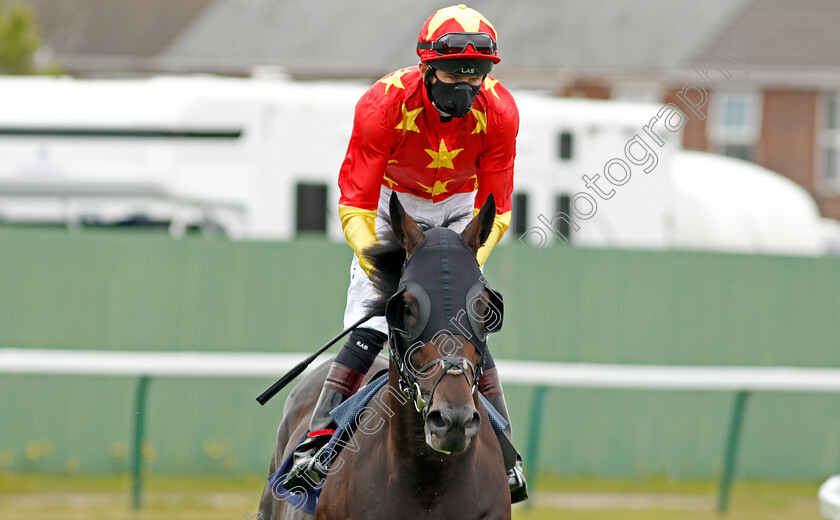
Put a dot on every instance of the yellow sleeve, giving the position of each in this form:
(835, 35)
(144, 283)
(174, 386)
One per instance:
(359, 226)
(500, 225)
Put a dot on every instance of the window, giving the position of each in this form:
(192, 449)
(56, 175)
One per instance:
(563, 204)
(311, 207)
(831, 143)
(735, 123)
(520, 213)
(564, 146)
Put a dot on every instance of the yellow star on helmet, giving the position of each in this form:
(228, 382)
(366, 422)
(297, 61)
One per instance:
(466, 17)
(437, 189)
(408, 117)
(480, 121)
(443, 157)
(394, 79)
(490, 85)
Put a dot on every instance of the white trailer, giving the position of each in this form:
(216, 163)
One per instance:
(258, 158)
(567, 151)
(179, 150)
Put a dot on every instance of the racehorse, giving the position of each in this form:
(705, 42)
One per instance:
(427, 449)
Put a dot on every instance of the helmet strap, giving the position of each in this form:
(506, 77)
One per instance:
(427, 81)
(430, 71)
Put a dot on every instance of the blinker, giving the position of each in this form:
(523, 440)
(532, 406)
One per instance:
(396, 305)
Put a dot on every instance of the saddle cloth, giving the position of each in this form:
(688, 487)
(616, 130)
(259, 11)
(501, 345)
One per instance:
(344, 415)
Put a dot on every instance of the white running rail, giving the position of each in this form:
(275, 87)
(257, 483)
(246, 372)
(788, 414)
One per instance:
(540, 375)
(577, 375)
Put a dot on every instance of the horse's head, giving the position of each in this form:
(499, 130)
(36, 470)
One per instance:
(439, 317)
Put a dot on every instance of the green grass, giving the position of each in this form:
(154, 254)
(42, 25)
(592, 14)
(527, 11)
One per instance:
(33, 483)
(43, 497)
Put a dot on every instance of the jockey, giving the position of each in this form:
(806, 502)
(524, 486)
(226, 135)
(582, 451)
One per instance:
(443, 136)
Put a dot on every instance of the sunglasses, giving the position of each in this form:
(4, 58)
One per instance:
(456, 43)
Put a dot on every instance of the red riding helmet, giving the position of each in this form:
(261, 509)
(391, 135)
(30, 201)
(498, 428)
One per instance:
(458, 33)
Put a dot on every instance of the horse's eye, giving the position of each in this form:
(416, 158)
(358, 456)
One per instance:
(481, 307)
(410, 311)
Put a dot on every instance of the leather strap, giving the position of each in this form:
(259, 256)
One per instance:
(489, 384)
(343, 379)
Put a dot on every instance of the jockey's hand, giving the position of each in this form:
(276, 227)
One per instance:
(500, 225)
(360, 231)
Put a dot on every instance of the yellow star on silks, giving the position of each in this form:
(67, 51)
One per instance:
(490, 86)
(437, 189)
(480, 121)
(391, 182)
(475, 187)
(466, 17)
(443, 157)
(394, 80)
(408, 117)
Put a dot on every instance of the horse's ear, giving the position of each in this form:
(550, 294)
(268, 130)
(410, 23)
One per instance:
(480, 226)
(408, 233)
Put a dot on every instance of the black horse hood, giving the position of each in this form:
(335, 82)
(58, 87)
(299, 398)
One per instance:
(444, 275)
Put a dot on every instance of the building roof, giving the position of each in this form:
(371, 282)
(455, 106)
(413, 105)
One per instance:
(106, 35)
(536, 34)
(784, 43)
(780, 34)
(542, 42)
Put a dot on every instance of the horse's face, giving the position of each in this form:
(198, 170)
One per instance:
(448, 405)
(439, 320)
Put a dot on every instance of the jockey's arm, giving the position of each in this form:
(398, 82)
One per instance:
(360, 177)
(495, 173)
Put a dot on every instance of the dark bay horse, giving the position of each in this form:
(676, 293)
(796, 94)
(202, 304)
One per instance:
(426, 448)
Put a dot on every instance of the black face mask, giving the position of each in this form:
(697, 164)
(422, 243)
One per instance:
(455, 99)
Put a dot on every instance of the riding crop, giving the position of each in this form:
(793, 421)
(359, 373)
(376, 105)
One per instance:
(300, 367)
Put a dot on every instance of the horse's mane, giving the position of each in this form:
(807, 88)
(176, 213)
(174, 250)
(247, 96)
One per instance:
(387, 258)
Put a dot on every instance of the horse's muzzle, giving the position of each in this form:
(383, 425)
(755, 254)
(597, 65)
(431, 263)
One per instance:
(450, 430)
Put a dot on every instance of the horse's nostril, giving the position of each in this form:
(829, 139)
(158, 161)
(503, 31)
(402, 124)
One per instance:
(437, 421)
(471, 426)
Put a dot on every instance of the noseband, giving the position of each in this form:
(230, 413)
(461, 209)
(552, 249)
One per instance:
(449, 365)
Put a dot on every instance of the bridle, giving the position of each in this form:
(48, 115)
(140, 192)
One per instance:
(444, 313)
(448, 365)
